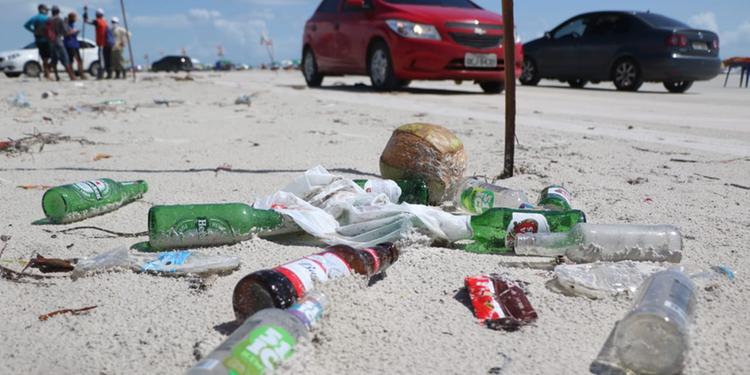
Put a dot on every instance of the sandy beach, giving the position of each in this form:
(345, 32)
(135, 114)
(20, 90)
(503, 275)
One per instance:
(647, 157)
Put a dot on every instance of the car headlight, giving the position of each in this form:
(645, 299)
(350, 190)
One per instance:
(413, 30)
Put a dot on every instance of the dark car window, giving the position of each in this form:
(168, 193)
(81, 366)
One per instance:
(440, 3)
(574, 28)
(328, 6)
(657, 20)
(608, 24)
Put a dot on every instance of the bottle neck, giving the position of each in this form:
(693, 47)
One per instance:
(544, 244)
(134, 188)
(383, 256)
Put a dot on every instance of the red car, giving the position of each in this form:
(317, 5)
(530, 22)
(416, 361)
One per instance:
(396, 41)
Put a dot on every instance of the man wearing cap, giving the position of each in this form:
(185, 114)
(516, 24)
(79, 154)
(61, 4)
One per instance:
(122, 38)
(105, 52)
(38, 26)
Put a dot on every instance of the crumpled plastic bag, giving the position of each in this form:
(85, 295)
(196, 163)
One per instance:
(177, 263)
(338, 211)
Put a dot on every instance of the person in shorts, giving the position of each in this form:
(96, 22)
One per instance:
(57, 29)
(122, 38)
(72, 46)
(38, 26)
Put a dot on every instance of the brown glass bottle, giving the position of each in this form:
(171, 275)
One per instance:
(282, 286)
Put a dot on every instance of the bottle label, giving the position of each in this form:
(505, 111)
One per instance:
(303, 273)
(262, 351)
(477, 200)
(308, 312)
(376, 259)
(201, 226)
(335, 266)
(556, 195)
(93, 189)
(524, 222)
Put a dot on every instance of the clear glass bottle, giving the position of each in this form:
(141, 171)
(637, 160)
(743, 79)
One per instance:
(653, 336)
(606, 242)
(475, 196)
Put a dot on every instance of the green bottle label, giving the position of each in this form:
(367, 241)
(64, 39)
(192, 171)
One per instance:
(555, 198)
(263, 350)
(93, 190)
(202, 226)
(477, 200)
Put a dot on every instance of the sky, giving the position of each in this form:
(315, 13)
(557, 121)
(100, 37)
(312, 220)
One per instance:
(201, 26)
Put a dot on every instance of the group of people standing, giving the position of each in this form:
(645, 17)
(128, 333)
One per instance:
(57, 41)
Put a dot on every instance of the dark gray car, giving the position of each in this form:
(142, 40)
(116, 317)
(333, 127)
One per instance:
(627, 48)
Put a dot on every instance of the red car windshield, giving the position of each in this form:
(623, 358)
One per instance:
(439, 3)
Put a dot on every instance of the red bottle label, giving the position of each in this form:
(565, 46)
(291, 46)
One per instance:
(376, 259)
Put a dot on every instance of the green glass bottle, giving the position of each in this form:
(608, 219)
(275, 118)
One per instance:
(494, 231)
(413, 191)
(196, 225)
(555, 198)
(69, 203)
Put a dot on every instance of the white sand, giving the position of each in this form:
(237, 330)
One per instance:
(593, 141)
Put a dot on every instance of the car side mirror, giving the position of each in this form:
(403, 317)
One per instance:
(355, 4)
(547, 35)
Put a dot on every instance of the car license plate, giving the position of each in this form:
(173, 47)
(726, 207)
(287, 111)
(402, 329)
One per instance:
(480, 60)
(700, 46)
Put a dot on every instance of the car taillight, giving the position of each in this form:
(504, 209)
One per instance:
(715, 44)
(677, 40)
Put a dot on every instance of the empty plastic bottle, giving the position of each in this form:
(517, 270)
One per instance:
(475, 196)
(495, 230)
(186, 226)
(653, 336)
(603, 279)
(68, 203)
(555, 198)
(412, 191)
(264, 340)
(282, 286)
(606, 242)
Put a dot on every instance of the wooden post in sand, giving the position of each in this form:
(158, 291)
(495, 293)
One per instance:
(127, 29)
(509, 46)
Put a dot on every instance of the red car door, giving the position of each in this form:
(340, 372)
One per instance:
(322, 34)
(354, 31)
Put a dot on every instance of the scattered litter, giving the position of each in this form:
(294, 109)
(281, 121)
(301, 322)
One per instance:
(25, 144)
(20, 101)
(499, 303)
(637, 180)
(653, 336)
(114, 102)
(34, 187)
(177, 263)
(167, 102)
(48, 119)
(648, 200)
(243, 99)
(100, 129)
(50, 265)
(102, 157)
(586, 243)
(5, 144)
(47, 94)
(80, 311)
(601, 279)
(86, 199)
